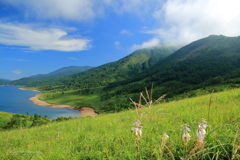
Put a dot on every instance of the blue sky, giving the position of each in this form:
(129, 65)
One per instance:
(40, 36)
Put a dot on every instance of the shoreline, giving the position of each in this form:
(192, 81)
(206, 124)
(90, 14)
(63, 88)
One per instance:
(85, 111)
(33, 90)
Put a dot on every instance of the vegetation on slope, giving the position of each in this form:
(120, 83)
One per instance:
(212, 63)
(109, 136)
(209, 61)
(2, 81)
(122, 69)
(5, 118)
(64, 71)
(52, 77)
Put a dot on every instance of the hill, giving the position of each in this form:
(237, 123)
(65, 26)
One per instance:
(109, 136)
(122, 69)
(4, 81)
(50, 77)
(64, 71)
(208, 61)
(207, 65)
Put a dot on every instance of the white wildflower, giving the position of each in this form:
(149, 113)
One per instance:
(138, 128)
(186, 136)
(201, 132)
(165, 137)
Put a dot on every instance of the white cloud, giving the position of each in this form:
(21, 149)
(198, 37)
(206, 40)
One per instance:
(176, 20)
(124, 31)
(41, 38)
(188, 20)
(117, 45)
(150, 43)
(18, 72)
(72, 58)
(71, 9)
(81, 10)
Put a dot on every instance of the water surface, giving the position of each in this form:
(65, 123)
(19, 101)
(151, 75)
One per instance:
(14, 100)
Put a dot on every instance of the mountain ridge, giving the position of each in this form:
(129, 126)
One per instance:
(64, 71)
(122, 69)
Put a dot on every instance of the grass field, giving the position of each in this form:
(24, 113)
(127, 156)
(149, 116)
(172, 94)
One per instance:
(109, 136)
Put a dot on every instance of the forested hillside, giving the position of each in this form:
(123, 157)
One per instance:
(208, 61)
(206, 65)
(122, 69)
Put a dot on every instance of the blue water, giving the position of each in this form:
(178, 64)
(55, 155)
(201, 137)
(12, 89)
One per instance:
(14, 100)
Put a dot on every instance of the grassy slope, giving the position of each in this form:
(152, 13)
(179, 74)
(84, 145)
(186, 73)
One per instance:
(109, 136)
(71, 98)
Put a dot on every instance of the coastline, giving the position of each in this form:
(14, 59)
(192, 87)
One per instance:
(85, 111)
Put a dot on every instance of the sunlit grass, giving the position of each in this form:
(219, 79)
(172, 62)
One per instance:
(109, 135)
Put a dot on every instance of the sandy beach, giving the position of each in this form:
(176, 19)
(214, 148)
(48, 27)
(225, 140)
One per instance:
(85, 111)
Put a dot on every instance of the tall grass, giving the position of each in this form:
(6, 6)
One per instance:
(109, 136)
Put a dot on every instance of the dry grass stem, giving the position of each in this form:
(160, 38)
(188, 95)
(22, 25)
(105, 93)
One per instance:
(160, 98)
(224, 149)
(209, 106)
(169, 151)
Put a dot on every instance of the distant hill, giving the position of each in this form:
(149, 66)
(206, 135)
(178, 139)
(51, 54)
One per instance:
(64, 71)
(208, 61)
(4, 80)
(50, 77)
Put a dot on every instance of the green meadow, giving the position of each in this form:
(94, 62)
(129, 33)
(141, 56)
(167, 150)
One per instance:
(109, 136)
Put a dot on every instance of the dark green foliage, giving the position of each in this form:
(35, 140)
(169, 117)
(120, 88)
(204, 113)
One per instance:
(17, 121)
(28, 113)
(27, 121)
(35, 116)
(60, 119)
(209, 61)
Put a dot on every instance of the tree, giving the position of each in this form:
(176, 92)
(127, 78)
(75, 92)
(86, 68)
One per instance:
(46, 116)
(35, 116)
(28, 113)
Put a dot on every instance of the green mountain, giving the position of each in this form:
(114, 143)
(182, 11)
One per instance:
(4, 80)
(50, 77)
(122, 69)
(208, 61)
(211, 63)
(64, 71)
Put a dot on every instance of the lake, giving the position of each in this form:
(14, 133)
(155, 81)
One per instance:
(14, 100)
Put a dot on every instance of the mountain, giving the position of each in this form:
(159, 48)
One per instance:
(208, 61)
(64, 71)
(122, 69)
(4, 80)
(50, 77)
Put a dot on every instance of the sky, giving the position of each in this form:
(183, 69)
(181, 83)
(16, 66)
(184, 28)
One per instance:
(40, 36)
